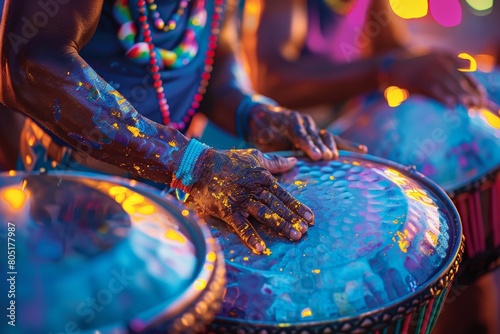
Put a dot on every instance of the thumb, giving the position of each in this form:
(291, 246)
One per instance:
(275, 163)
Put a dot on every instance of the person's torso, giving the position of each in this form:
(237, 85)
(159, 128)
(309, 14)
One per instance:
(335, 29)
(106, 54)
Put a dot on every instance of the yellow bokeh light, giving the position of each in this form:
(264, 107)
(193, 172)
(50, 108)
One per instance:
(480, 5)
(128, 208)
(146, 209)
(15, 197)
(185, 213)
(28, 160)
(211, 257)
(306, 313)
(12, 172)
(395, 95)
(200, 284)
(490, 118)
(473, 63)
(485, 63)
(175, 236)
(409, 9)
(117, 190)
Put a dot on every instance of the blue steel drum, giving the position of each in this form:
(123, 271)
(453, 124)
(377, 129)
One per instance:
(380, 258)
(457, 148)
(99, 254)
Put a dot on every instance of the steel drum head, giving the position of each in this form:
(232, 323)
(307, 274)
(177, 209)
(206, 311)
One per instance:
(454, 147)
(491, 82)
(96, 252)
(385, 240)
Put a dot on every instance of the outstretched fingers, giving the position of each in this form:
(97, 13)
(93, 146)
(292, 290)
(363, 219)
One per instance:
(246, 232)
(292, 203)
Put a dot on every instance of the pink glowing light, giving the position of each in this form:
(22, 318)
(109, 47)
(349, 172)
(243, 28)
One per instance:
(447, 13)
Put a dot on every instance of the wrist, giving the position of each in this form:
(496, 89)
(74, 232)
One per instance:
(187, 173)
(246, 105)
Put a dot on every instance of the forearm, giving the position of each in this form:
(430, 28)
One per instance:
(304, 83)
(67, 97)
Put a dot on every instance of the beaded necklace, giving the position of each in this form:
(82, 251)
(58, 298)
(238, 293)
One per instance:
(142, 50)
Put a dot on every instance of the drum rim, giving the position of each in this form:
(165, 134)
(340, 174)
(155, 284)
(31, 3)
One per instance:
(164, 312)
(433, 287)
(460, 187)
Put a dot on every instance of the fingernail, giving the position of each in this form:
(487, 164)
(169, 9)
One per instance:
(308, 216)
(260, 247)
(303, 228)
(291, 160)
(295, 235)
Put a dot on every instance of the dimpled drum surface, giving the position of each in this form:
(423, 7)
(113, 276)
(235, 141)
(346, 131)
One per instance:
(385, 245)
(105, 254)
(457, 148)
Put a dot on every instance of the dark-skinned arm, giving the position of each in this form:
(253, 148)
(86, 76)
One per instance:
(45, 78)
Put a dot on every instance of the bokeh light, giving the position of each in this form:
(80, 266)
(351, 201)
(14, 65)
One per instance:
(409, 9)
(447, 13)
(395, 95)
(480, 5)
(472, 62)
(15, 197)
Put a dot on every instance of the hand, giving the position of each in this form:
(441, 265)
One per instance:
(237, 184)
(436, 75)
(276, 129)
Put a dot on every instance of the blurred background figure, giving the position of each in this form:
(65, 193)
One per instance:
(330, 57)
(11, 123)
(329, 51)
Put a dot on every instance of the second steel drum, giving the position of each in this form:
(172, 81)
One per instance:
(99, 254)
(457, 148)
(380, 258)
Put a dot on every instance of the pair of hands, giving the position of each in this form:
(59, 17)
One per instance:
(237, 184)
(436, 75)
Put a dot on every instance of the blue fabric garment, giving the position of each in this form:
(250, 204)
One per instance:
(107, 57)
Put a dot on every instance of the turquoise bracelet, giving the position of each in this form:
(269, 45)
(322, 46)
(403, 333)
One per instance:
(183, 178)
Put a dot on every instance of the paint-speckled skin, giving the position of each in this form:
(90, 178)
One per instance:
(48, 80)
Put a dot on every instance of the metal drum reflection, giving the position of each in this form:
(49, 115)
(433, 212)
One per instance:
(457, 148)
(106, 254)
(380, 258)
